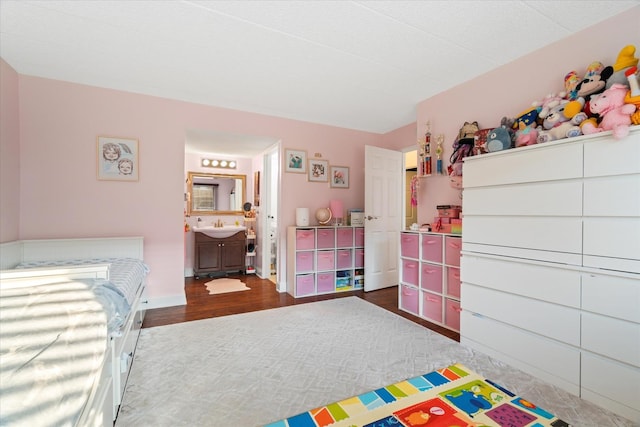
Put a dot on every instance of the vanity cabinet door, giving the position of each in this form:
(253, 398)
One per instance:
(232, 255)
(208, 258)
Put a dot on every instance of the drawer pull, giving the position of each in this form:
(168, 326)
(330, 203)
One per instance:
(344, 254)
(456, 276)
(454, 245)
(430, 242)
(431, 299)
(410, 265)
(456, 309)
(428, 271)
(407, 292)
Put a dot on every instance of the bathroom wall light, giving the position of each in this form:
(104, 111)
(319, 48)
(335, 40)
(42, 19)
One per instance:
(215, 163)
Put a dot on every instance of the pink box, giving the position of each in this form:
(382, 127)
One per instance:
(432, 248)
(453, 282)
(432, 307)
(343, 259)
(359, 236)
(431, 278)
(326, 282)
(442, 219)
(452, 248)
(304, 284)
(305, 239)
(325, 260)
(326, 238)
(410, 270)
(345, 237)
(409, 245)
(409, 299)
(451, 211)
(304, 262)
(359, 258)
(452, 314)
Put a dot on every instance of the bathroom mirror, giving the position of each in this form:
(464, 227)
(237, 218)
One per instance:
(215, 193)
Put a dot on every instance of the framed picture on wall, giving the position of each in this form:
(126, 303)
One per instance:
(295, 161)
(339, 176)
(117, 159)
(318, 170)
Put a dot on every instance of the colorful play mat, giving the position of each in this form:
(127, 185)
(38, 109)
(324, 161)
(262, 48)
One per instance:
(451, 397)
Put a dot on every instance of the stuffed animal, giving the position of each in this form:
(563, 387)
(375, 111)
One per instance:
(626, 59)
(498, 139)
(558, 125)
(614, 112)
(526, 135)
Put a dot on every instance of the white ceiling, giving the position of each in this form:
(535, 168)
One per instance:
(355, 64)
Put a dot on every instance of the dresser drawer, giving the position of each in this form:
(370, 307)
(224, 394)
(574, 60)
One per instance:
(305, 239)
(612, 296)
(544, 283)
(616, 381)
(604, 244)
(326, 238)
(431, 277)
(304, 261)
(410, 271)
(432, 307)
(432, 248)
(409, 245)
(453, 282)
(409, 299)
(551, 320)
(325, 260)
(452, 248)
(614, 338)
(344, 237)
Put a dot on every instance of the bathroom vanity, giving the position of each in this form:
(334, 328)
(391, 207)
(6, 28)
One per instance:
(219, 254)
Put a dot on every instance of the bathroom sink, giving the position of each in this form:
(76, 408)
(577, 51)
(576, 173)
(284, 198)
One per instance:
(220, 232)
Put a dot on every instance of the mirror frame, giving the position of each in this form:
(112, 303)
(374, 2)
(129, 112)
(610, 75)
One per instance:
(190, 177)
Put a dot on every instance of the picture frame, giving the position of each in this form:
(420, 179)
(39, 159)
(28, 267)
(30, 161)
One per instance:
(318, 170)
(117, 158)
(295, 161)
(339, 176)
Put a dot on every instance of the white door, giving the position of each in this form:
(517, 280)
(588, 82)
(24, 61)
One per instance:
(383, 216)
(269, 195)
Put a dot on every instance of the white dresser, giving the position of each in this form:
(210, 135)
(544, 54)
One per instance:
(550, 264)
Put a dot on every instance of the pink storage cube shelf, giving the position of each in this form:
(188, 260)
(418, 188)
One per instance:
(326, 238)
(359, 258)
(432, 307)
(452, 314)
(432, 248)
(344, 237)
(453, 282)
(359, 236)
(410, 271)
(343, 258)
(409, 246)
(304, 262)
(326, 282)
(453, 245)
(409, 299)
(304, 284)
(305, 239)
(431, 278)
(325, 260)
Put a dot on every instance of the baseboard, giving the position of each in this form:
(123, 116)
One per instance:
(168, 301)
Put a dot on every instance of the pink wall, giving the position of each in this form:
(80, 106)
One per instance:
(61, 196)
(512, 88)
(9, 153)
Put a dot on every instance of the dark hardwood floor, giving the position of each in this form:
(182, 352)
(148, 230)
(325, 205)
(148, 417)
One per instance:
(263, 296)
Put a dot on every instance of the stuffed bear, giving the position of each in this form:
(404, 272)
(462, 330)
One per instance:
(614, 112)
(558, 125)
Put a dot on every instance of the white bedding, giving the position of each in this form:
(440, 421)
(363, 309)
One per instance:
(53, 343)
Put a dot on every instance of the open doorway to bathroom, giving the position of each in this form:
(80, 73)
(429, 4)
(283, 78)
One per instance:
(410, 187)
(271, 182)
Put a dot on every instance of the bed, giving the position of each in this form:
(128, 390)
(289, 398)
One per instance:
(70, 313)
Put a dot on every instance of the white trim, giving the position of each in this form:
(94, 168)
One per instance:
(167, 301)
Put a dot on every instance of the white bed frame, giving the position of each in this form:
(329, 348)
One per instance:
(107, 395)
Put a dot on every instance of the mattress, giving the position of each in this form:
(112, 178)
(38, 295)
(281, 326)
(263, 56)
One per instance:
(116, 294)
(53, 344)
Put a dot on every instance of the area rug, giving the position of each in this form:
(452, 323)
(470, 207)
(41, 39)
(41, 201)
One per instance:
(223, 286)
(256, 368)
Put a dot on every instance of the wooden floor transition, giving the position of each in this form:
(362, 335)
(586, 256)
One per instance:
(263, 296)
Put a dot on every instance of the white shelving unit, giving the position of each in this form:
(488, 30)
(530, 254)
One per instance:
(251, 245)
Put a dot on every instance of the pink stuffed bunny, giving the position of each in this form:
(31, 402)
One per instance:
(615, 114)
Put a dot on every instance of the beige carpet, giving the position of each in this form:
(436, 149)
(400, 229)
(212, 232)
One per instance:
(223, 286)
(252, 369)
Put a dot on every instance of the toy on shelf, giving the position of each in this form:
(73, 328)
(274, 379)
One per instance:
(424, 153)
(626, 59)
(614, 112)
(559, 123)
(633, 96)
(439, 141)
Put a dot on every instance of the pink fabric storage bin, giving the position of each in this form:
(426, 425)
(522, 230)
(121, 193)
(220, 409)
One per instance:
(432, 248)
(326, 282)
(452, 314)
(304, 261)
(359, 236)
(304, 284)
(325, 238)
(343, 258)
(359, 258)
(453, 282)
(325, 260)
(431, 277)
(453, 245)
(305, 239)
(345, 237)
(410, 271)
(409, 246)
(409, 299)
(432, 307)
